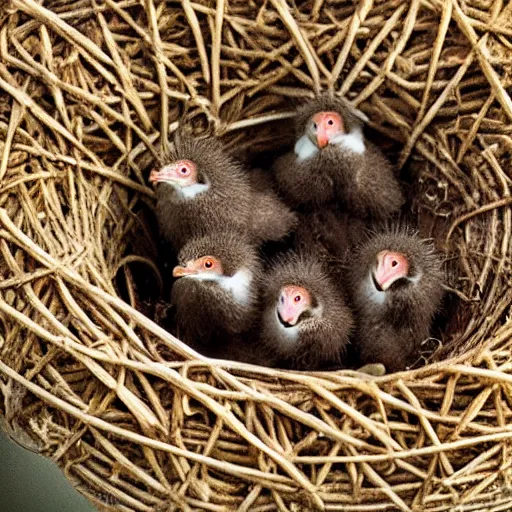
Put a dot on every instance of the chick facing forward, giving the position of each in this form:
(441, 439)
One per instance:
(306, 321)
(333, 162)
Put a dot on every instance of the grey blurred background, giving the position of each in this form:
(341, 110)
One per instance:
(31, 483)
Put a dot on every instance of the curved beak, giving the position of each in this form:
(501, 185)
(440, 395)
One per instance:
(180, 271)
(164, 174)
(288, 314)
(383, 278)
(154, 176)
(391, 266)
(321, 137)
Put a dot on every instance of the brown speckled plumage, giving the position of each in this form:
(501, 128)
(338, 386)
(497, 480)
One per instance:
(322, 340)
(392, 332)
(364, 184)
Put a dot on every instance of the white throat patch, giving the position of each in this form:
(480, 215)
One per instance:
(305, 148)
(291, 334)
(192, 190)
(379, 297)
(371, 292)
(353, 141)
(239, 284)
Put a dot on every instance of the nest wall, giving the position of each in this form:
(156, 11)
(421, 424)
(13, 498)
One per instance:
(90, 93)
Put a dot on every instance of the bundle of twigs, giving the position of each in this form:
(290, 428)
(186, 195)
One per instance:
(89, 92)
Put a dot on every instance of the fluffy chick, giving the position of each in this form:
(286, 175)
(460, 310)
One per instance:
(202, 189)
(216, 293)
(306, 321)
(333, 162)
(396, 282)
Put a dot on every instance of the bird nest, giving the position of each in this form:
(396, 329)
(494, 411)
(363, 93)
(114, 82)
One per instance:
(90, 93)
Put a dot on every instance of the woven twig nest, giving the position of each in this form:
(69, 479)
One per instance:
(90, 91)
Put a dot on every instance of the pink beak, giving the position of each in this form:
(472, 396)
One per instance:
(390, 267)
(322, 138)
(154, 176)
(165, 174)
(288, 311)
(180, 271)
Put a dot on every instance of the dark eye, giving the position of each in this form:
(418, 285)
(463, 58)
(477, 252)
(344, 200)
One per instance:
(282, 299)
(297, 298)
(314, 126)
(208, 264)
(394, 263)
(183, 170)
(330, 122)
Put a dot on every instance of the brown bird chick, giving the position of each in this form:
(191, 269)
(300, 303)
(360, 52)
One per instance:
(216, 293)
(332, 161)
(203, 190)
(306, 322)
(397, 285)
(270, 215)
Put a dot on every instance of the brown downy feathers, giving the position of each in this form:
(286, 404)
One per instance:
(321, 334)
(392, 323)
(348, 170)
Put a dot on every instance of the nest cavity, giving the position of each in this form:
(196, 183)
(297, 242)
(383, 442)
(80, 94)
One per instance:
(91, 92)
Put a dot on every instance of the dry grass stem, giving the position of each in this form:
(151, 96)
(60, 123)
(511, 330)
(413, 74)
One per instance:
(91, 91)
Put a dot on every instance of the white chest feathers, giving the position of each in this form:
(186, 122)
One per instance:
(371, 293)
(352, 141)
(238, 285)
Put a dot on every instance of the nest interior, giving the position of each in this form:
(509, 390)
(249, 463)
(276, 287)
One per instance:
(90, 91)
